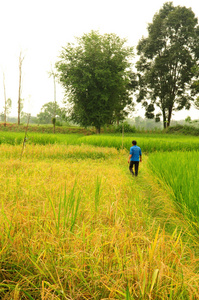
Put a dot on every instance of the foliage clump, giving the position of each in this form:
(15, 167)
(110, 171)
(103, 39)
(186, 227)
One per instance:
(125, 127)
(168, 58)
(186, 130)
(97, 79)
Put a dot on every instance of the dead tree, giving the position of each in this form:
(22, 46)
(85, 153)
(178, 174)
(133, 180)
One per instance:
(52, 73)
(5, 108)
(21, 58)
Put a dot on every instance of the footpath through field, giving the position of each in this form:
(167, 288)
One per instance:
(155, 198)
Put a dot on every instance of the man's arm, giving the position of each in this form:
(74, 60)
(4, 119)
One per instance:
(140, 158)
(129, 158)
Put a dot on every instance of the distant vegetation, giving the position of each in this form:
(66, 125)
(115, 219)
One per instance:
(150, 142)
(186, 130)
(134, 125)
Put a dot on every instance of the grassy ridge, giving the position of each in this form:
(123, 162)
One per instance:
(77, 229)
(47, 128)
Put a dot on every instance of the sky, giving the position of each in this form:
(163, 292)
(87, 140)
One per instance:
(40, 28)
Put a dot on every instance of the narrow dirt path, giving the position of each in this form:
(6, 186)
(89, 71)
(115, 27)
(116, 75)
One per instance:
(155, 198)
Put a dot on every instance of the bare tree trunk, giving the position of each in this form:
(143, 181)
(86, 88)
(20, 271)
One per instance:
(54, 104)
(52, 73)
(4, 86)
(122, 134)
(164, 119)
(169, 117)
(98, 129)
(19, 95)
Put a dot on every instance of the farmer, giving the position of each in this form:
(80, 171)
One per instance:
(134, 157)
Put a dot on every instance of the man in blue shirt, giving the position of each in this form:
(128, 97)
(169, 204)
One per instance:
(135, 157)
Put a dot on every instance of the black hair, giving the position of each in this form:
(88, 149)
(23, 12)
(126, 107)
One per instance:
(134, 142)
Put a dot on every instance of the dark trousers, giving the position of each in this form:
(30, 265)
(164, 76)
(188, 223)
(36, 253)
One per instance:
(136, 163)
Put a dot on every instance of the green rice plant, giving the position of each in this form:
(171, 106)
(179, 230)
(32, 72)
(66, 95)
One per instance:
(69, 207)
(128, 296)
(45, 139)
(180, 171)
(70, 210)
(11, 138)
(147, 143)
(16, 138)
(97, 193)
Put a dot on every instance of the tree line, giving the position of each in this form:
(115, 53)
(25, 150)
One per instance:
(100, 84)
(8, 102)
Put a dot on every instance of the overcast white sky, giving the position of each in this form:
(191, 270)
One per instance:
(40, 28)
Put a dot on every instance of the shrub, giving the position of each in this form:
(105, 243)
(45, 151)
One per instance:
(186, 129)
(127, 128)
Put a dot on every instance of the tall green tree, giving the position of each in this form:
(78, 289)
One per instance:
(167, 59)
(96, 75)
(49, 112)
(195, 87)
(196, 103)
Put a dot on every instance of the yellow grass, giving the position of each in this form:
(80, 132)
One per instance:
(75, 228)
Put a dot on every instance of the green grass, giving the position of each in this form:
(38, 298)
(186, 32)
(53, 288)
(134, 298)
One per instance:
(180, 172)
(16, 138)
(148, 143)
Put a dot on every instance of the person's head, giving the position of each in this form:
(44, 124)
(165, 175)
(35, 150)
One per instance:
(134, 142)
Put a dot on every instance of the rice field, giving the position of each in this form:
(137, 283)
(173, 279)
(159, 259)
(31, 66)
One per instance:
(76, 225)
(149, 142)
(180, 172)
(17, 138)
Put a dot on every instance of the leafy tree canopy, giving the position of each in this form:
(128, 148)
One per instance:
(196, 103)
(167, 60)
(96, 75)
(49, 111)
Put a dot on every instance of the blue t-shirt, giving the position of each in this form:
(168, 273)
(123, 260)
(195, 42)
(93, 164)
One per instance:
(135, 151)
